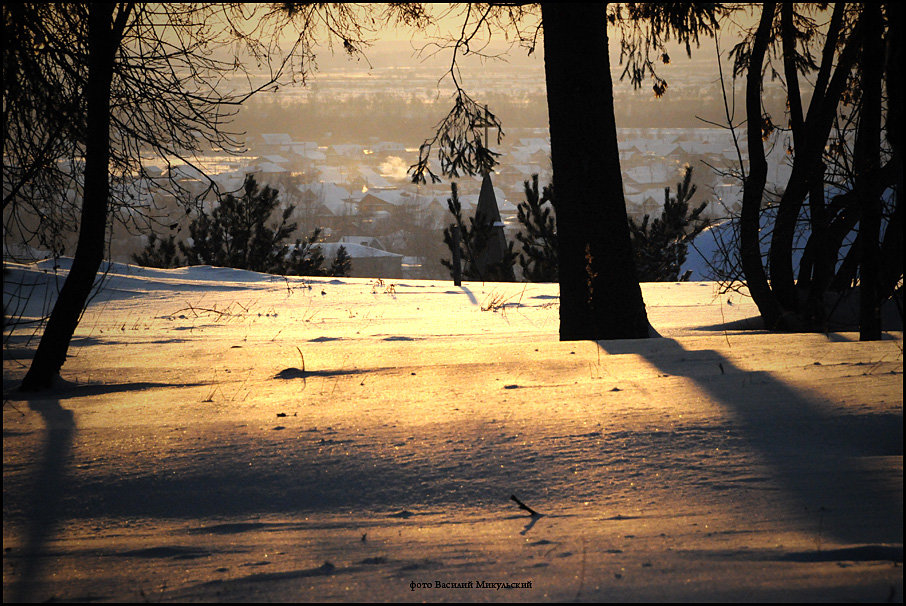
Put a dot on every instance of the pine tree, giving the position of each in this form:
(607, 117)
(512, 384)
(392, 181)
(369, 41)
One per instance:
(235, 235)
(304, 258)
(158, 253)
(473, 239)
(539, 258)
(342, 264)
(660, 246)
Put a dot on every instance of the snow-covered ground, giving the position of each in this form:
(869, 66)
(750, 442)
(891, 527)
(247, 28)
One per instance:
(223, 435)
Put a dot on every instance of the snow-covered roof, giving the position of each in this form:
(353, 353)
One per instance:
(269, 167)
(372, 178)
(370, 241)
(276, 139)
(231, 181)
(333, 174)
(184, 171)
(535, 144)
(332, 196)
(392, 196)
(653, 193)
(388, 146)
(700, 148)
(308, 152)
(355, 251)
(648, 173)
(348, 149)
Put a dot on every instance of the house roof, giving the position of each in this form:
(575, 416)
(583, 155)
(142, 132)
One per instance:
(355, 251)
(335, 198)
(277, 139)
(269, 167)
(363, 240)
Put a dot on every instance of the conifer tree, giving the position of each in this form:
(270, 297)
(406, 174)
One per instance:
(158, 253)
(538, 259)
(342, 264)
(660, 246)
(305, 258)
(235, 235)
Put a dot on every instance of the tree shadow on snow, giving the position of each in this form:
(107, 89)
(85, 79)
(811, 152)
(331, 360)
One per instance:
(66, 390)
(819, 459)
(45, 504)
(43, 509)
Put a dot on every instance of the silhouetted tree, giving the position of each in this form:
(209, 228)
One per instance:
(342, 263)
(842, 166)
(89, 91)
(538, 236)
(600, 297)
(660, 245)
(305, 257)
(236, 234)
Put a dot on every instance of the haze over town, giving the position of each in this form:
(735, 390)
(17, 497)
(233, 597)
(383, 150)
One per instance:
(339, 148)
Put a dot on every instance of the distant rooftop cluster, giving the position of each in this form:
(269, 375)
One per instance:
(363, 190)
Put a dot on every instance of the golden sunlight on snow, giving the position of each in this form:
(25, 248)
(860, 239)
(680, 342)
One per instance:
(226, 436)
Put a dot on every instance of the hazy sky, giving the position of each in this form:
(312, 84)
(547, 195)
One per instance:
(403, 46)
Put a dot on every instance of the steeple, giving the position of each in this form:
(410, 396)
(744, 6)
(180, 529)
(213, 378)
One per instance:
(488, 214)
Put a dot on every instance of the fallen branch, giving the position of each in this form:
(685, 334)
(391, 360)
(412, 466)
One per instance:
(196, 311)
(524, 506)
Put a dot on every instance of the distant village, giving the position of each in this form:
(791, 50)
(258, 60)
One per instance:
(339, 152)
(361, 195)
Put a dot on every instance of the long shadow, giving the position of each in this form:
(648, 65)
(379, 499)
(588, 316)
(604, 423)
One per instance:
(44, 509)
(67, 391)
(819, 459)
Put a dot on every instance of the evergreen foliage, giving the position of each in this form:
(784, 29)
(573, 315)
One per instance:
(342, 264)
(158, 253)
(539, 258)
(305, 257)
(235, 234)
(660, 246)
(474, 238)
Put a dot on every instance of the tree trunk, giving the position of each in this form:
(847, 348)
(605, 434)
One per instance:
(808, 170)
(753, 187)
(64, 318)
(600, 297)
(867, 163)
(892, 248)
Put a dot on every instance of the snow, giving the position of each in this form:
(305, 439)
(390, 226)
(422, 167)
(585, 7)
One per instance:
(222, 435)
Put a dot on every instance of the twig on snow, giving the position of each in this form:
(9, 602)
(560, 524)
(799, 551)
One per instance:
(524, 506)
